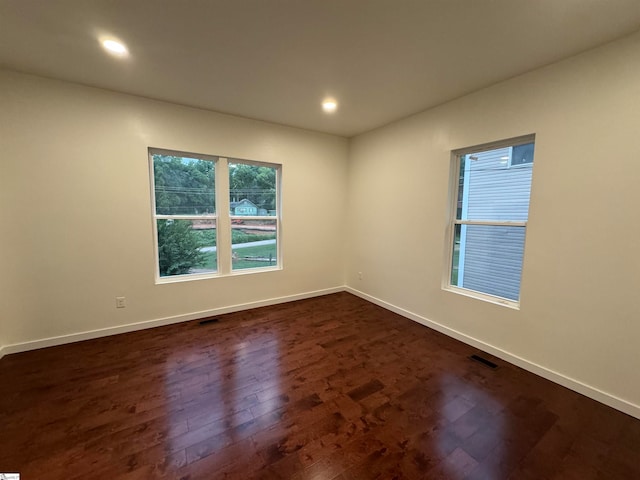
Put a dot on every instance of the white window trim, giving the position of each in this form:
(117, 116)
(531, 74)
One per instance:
(277, 218)
(467, 292)
(452, 220)
(223, 221)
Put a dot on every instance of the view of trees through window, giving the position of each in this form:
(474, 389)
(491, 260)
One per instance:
(252, 206)
(187, 221)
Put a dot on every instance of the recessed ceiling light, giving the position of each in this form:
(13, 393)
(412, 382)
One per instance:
(329, 106)
(115, 48)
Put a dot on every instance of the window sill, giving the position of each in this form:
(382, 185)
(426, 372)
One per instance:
(503, 302)
(186, 278)
(249, 271)
(208, 276)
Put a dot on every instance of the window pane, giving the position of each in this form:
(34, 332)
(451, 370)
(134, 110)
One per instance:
(253, 243)
(183, 186)
(455, 258)
(252, 190)
(187, 247)
(488, 259)
(522, 154)
(490, 190)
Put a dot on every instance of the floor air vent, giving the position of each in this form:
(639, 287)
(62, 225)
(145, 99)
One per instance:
(208, 321)
(484, 361)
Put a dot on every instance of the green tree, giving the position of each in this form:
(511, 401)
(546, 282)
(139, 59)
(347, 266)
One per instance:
(178, 248)
(255, 183)
(183, 186)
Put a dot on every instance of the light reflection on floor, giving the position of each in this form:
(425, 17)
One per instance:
(216, 391)
(468, 412)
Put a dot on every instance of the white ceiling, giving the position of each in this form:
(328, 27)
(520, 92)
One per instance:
(275, 60)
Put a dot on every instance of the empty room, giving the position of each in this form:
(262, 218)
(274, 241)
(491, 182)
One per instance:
(355, 239)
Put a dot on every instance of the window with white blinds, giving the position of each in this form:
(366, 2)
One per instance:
(491, 189)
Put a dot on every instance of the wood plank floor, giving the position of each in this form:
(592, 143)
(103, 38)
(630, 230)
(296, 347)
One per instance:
(327, 388)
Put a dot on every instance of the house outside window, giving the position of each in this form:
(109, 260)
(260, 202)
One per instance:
(491, 186)
(253, 209)
(204, 227)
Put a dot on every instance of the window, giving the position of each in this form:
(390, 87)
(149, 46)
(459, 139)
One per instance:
(253, 209)
(195, 213)
(491, 186)
(521, 154)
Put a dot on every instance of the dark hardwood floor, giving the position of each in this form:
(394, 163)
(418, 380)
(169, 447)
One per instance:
(327, 388)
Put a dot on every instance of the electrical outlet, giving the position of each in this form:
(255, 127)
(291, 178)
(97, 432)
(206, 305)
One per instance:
(359, 275)
(121, 302)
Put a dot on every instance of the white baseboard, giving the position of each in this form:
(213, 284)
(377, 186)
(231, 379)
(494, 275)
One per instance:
(103, 332)
(556, 377)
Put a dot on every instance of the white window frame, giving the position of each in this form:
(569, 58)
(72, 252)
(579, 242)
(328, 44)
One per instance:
(276, 217)
(222, 217)
(453, 221)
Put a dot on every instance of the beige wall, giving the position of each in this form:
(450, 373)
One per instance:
(75, 191)
(580, 301)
